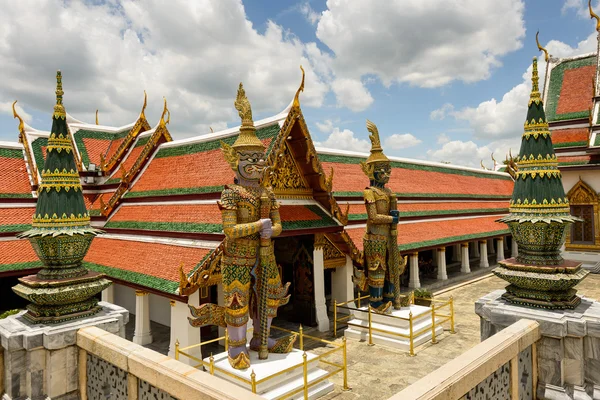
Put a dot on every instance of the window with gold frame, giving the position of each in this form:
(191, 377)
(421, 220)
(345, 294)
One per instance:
(584, 203)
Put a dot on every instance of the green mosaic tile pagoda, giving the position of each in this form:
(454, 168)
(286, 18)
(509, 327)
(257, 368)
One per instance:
(61, 235)
(538, 220)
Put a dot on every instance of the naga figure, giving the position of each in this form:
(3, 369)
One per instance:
(251, 282)
(383, 264)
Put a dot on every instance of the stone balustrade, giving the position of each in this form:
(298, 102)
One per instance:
(501, 367)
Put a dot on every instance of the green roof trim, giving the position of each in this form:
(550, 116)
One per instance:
(597, 140)
(137, 278)
(431, 195)
(112, 180)
(570, 144)
(268, 132)
(15, 195)
(15, 228)
(21, 266)
(588, 162)
(324, 221)
(11, 153)
(167, 226)
(90, 134)
(451, 239)
(36, 146)
(142, 141)
(175, 191)
(397, 164)
(358, 217)
(555, 86)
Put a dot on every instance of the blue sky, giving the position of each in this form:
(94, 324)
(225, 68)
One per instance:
(393, 62)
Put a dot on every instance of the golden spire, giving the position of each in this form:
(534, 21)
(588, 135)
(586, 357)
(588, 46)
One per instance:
(594, 15)
(15, 115)
(247, 140)
(59, 109)
(165, 111)
(376, 150)
(97, 117)
(540, 48)
(535, 90)
(300, 89)
(142, 115)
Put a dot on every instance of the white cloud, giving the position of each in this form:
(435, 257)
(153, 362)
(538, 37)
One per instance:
(398, 40)
(345, 140)
(470, 154)
(580, 7)
(352, 94)
(441, 112)
(401, 141)
(311, 15)
(6, 108)
(504, 118)
(325, 126)
(443, 138)
(194, 53)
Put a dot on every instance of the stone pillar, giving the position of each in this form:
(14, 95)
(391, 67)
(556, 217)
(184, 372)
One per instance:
(42, 361)
(108, 294)
(500, 255)
(490, 246)
(442, 274)
(342, 288)
(483, 261)
(319, 286)
(414, 281)
(515, 248)
(465, 265)
(142, 334)
(182, 330)
(475, 250)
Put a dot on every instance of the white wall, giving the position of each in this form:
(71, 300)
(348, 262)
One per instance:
(160, 310)
(125, 297)
(570, 178)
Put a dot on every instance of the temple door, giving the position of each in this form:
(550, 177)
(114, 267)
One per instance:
(303, 296)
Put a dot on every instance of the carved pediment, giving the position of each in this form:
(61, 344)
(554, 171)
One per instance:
(582, 193)
(286, 177)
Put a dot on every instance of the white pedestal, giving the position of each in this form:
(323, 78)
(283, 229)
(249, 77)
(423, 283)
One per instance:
(279, 385)
(421, 319)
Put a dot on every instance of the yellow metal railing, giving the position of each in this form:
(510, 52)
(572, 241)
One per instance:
(437, 319)
(253, 382)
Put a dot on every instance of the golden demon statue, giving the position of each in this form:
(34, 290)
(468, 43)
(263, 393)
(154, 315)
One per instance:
(251, 281)
(383, 264)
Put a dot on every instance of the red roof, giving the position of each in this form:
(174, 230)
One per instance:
(16, 251)
(432, 233)
(95, 147)
(570, 135)
(576, 92)
(16, 216)
(14, 176)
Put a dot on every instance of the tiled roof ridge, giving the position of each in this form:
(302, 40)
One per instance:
(11, 145)
(348, 153)
(560, 60)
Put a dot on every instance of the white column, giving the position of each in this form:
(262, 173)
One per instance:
(319, 281)
(108, 294)
(182, 330)
(483, 261)
(414, 281)
(142, 334)
(442, 274)
(342, 288)
(515, 248)
(500, 255)
(475, 249)
(464, 264)
(490, 246)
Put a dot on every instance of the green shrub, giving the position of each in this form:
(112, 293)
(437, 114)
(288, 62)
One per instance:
(423, 293)
(9, 312)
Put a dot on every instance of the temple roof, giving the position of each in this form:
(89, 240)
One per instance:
(15, 181)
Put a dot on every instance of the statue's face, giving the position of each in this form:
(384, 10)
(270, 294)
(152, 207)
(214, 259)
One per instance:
(251, 165)
(382, 172)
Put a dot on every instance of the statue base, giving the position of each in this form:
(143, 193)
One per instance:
(280, 385)
(358, 327)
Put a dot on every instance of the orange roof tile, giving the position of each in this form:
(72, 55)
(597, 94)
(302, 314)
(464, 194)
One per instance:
(16, 251)
(193, 213)
(16, 216)
(570, 135)
(95, 147)
(432, 233)
(14, 177)
(132, 157)
(112, 148)
(576, 90)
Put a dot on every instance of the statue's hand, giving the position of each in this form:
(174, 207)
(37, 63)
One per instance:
(267, 228)
(395, 215)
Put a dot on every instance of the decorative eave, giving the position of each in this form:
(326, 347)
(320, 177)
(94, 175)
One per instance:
(31, 167)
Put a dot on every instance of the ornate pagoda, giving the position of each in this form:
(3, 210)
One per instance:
(539, 219)
(61, 236)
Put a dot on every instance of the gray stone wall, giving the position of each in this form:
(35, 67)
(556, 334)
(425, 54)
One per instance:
(496, 386)
(105, 380)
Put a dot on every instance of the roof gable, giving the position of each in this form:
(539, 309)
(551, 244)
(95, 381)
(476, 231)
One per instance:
(15, 180)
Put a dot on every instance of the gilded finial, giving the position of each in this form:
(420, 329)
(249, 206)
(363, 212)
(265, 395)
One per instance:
(142, 114)
(494, 160)
(594, 15)
(483, 166)
(165, 111)
(300, 89)
(376, 155)
(15, 115)
(375, 142)
(540, 48)
(59, 109)
(535, 90)
(242, 104)
(97, 117)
